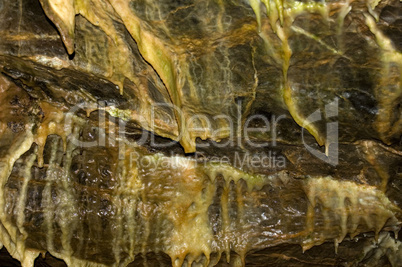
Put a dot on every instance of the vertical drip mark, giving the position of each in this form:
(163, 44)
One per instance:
(308, 241)
(179, 261)
(238, 122)
(214, 258)
(146, 220)
(26, 175)
(343, 214)
(117, 237)
(41, 141)
(68, 211)
(240, 203)
(354, 218)
(144, 243)
(370, 8)
(219, 19)
(47, 194)
(279, 10)
(82, 234)
(190, 260)
(255, 5)
(225, 219)
(396, 232)
(327, 223)
(130, 201)
(345, 9)
(130, 207)
(272, 13)
(29, 258)
(208, 195)
(379, 224)
(240, 218)
(118, 202)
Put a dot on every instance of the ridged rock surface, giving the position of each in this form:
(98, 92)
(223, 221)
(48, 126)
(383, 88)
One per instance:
(123, 142)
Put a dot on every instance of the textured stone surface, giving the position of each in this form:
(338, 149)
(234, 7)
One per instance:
(161, 70)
